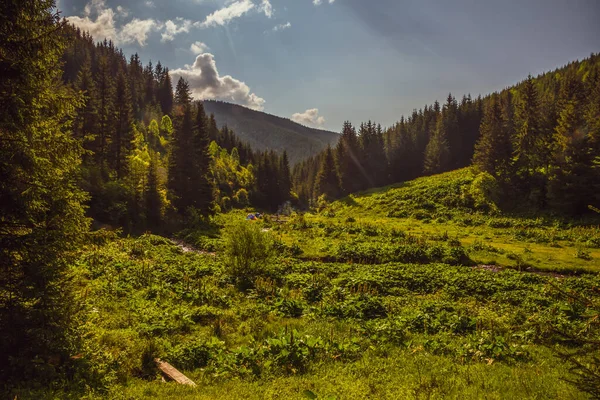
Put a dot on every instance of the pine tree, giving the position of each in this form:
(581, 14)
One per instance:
(493, 150)
(285, 179)
(327, 182)
(166, 93)
(437, 153)
(531, 146)
(181, 156)
(85, 125)
(201, 185)
(42, 220)
(348, 161)
(105, 95)
(122, 130)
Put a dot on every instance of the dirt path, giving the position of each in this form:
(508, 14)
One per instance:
(186, 248)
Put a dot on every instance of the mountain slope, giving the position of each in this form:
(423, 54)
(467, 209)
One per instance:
(268, 132)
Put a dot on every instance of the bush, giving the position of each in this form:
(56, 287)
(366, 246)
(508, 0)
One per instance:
(247, 252)
(485, 192)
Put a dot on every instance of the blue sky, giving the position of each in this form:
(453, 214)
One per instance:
(322, 64)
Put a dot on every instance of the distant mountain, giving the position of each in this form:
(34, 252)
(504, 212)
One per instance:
(268, 132)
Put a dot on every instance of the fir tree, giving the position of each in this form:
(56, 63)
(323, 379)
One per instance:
(181, 155)
(327, 182)
(493, 150)
(42, 220)
(437, 153)
(122, 131)
(201, 185)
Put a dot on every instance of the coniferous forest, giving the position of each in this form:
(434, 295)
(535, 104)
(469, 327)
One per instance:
(454, 254)
(538, 141)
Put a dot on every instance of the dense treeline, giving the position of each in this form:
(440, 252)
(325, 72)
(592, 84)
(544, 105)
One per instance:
(148, 151)
(538, 141)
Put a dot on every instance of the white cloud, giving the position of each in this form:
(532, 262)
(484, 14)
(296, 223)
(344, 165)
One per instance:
(174, 28)
(309, 118)
(281, 27)
(137, 31)
(199, 47)
(121, 12)
(226, 14)
(150, 4)
(206, 83)
(103, 26)
(267, 8)
(318, 2)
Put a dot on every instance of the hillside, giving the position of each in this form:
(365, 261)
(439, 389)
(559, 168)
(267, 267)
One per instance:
(268, 132)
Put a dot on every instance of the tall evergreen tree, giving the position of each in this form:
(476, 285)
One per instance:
(285, 183)
(493, 150)
(85, 124)
(105, 95)
(181, 155)
(437, 153)
(327, 182)
(201, 185)
(41, 218)
(122, 128)
(348, 161)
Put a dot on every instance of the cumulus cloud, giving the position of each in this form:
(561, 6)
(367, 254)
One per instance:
(199, 47)
(99, 21)
(267, 8)
(318, 2)
(104, 24)
(206, 83)
(174, 28)
(281, 27)
(309, 117)
(137, 31)
(224, 15)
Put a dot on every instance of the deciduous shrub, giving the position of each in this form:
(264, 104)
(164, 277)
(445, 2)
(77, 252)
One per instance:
(247, 252)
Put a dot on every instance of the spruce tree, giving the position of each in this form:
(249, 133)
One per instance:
(348, 162)
(42, 220)
(182, 150)
(493, 150)
(531, 147)
(105, 97)
(201, 184)
(437, 152)
(327, 182)
(285, 184)
(122, 126)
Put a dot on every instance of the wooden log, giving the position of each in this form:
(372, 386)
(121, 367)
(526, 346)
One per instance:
(172, 373)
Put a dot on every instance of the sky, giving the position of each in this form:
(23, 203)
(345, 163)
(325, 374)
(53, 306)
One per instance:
(322, 62)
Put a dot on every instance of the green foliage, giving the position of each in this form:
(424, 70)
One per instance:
(485, 192)
(42, 218)
(248, 251)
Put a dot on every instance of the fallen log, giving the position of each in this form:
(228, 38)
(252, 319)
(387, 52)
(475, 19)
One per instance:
(172, 373)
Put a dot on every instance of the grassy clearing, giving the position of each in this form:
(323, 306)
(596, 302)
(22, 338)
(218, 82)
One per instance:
(354, 302)
(441, 208)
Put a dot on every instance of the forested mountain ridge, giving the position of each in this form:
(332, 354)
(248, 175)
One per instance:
(263, 131)
(538, 142)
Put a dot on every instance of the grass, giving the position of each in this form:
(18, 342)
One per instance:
(440, 206)
(377, 296)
